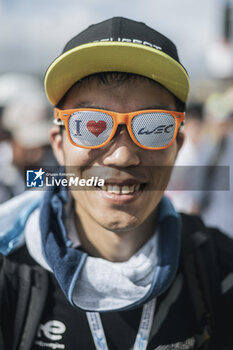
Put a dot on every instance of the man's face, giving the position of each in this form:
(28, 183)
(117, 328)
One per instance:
(126, 168)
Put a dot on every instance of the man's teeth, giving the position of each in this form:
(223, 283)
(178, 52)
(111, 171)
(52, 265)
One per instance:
(120, 189)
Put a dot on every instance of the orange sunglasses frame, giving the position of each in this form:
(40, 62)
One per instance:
(118, 119)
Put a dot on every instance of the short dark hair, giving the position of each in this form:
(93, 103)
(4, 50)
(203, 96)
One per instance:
(108, 78)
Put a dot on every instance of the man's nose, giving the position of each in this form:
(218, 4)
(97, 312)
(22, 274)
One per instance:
(122, 151)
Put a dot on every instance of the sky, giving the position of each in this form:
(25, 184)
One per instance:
(33, 33)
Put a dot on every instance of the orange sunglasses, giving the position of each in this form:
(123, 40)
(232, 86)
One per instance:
(152, 129)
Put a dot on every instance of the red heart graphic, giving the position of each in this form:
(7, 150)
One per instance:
(96, 128)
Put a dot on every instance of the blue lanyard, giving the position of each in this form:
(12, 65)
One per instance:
(143, 334)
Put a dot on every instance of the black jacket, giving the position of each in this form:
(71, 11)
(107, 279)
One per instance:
(206, 263)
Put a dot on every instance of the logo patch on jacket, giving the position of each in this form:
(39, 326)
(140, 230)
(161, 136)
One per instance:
(53, 331)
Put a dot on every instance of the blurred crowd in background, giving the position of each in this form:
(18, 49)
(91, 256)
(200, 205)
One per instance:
(206, 158)
(204, 163)
(25, 120)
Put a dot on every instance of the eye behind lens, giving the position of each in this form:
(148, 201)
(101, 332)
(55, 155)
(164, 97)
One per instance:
(154, 130)
(90, 128)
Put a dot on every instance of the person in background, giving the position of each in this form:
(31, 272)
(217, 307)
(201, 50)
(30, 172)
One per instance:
(212, 203)
(182, 180)
(25, 125)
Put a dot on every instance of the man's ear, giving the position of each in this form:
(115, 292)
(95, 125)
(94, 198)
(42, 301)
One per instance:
(180, 140)
(56, 143)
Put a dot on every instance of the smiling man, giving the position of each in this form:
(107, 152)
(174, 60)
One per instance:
(117, 219)
(115, 267)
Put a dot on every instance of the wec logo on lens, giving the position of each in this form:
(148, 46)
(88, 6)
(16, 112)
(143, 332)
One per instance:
(161, 129)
